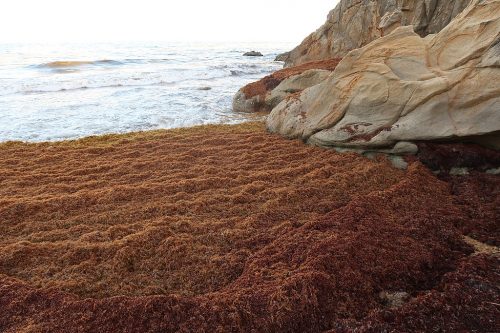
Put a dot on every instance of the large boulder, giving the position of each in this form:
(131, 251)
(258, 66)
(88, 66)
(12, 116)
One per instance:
(265, 94)
(355, 23)
(403, 87)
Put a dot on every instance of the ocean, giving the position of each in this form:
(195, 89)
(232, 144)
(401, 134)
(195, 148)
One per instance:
(59, 92)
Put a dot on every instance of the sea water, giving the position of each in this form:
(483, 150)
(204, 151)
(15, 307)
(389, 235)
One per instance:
(58, 92)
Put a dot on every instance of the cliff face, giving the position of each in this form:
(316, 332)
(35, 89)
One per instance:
(355, 23)
(403, 88)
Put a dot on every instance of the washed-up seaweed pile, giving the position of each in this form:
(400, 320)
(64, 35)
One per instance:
(477, 193)
(229, 229)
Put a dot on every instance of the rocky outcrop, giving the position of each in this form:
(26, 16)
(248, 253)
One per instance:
(268, 92)
(355, 23)
(282, 56)
(403, 87)
(252, 54)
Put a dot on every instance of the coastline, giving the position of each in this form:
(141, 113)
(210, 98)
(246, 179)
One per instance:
(356, 189)
(67, 91)
(240, 229)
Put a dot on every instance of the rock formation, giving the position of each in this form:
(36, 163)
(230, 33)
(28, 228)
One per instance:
(355, 23)
(268, 92)
(403, 87)
(252, 54)
(282, 56)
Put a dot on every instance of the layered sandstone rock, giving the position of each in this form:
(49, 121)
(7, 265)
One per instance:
(268, 92)
(355, 23)
(403, 87)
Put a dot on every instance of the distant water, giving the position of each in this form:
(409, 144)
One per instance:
(57, 92)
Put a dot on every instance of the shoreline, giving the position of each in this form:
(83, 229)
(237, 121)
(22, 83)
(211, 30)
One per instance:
(204, 227)
(367, 200)
(114, 138)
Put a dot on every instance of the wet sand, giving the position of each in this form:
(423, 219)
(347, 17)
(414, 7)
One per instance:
(228, 228)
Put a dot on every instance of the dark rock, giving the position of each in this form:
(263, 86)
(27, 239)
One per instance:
(449, 156)
(252, 54)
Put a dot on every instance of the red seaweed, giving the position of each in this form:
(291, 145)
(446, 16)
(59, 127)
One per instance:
(230, 229)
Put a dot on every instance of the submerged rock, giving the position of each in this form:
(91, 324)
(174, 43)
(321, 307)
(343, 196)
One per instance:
(405, 88)
(355, 23)
(252, 54)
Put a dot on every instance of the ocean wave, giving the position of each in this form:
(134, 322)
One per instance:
(43, 91)
(138, 81)
(66, 64)
(147, 61)
(237, 73)
(239, 66)
(85, 87)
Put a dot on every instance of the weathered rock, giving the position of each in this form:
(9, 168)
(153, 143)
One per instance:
(295, 84)
(266, 93)
(282, 57)
(252, 54)
(355, 23)
(271, 98)
(405, 88)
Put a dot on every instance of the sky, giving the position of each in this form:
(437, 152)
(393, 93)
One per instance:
(160, 20)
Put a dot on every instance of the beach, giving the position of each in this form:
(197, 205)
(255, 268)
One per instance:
(230, 228)
(151, 182)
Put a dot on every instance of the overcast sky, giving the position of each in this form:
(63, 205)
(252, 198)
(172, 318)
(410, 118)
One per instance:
(158, 20)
